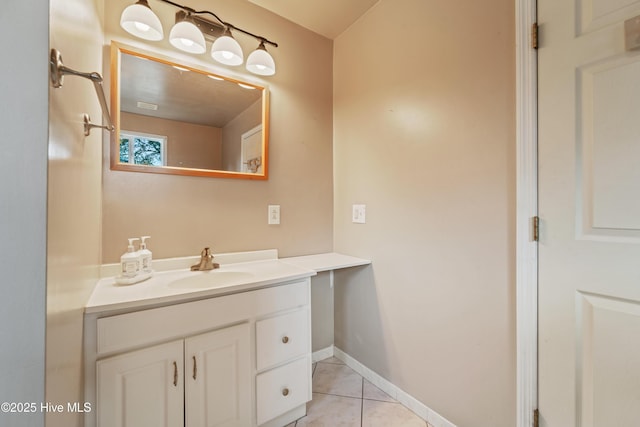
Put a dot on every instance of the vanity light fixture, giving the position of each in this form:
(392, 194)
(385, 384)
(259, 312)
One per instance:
(186, 36)
(139, 20)
(260, 62)
(226, 50)
(190, 32)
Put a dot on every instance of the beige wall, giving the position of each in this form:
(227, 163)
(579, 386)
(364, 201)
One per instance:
(184, 214)
(188, 145)
(23, 206)
(322, 324)
(74, 201)
(424, 136)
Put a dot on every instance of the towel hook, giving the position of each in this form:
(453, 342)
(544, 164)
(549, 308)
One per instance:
(88, 125)
(58, 70)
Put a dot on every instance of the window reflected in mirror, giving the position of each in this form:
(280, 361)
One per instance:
(142, 149)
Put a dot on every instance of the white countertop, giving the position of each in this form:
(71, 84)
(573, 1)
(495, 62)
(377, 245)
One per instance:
(326, 262)
(108, 296)
(239, 272)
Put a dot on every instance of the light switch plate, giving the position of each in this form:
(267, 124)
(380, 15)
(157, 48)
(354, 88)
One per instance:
(274, 214)
(359, 214)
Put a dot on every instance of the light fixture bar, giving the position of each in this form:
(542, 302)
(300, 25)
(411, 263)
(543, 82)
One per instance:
(260, 38)
(208, 28)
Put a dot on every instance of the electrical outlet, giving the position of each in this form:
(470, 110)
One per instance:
(359, 214)
(274, 214)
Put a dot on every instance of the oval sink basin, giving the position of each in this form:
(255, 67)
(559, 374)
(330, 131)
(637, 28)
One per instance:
(210, 279)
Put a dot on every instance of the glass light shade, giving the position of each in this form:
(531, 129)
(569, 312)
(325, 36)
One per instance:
(260, 62)
(226, 50)
(139, 20)
(186, 36)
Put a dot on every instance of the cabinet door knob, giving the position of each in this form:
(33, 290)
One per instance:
(195, 368)
(285, 339)
(285, 391)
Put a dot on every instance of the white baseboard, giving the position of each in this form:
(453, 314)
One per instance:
(319, 355)
(419, 408)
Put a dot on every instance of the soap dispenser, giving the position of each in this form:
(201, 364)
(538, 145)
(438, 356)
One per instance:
(130, 261)
(145, 255)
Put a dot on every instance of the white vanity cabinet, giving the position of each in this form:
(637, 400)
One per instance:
(203, 380)
(236, 360)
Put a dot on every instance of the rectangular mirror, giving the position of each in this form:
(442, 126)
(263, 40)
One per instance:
(175, 119)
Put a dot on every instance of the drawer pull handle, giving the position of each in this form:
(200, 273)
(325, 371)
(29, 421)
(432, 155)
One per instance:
(285, 391)
(195, 368)
(175, 374)
(285, 339)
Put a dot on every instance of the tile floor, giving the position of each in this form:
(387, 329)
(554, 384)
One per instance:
(342, 398)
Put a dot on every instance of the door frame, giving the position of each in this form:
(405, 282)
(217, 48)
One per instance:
(526, 210)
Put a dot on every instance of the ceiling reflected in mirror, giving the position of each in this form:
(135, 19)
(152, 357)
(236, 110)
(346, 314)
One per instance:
(173, 92)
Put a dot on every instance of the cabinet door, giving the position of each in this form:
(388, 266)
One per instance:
(143, 388)
(218, 378)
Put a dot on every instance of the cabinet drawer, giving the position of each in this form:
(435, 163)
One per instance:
(124, 331)
(283, 389)
(282, 338)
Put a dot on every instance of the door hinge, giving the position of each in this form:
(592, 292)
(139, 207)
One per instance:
(534, 35)
(536, 418)
(535, 221)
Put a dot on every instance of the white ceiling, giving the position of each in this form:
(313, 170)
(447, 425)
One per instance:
(326, 17)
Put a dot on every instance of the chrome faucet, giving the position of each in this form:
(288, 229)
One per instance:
(206, 261)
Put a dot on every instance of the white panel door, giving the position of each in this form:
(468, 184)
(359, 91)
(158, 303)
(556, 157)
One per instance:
(251, 150)
(589, 207)
(218, 378)
(142, 388)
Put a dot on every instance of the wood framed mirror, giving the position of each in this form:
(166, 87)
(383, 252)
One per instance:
(172, 118)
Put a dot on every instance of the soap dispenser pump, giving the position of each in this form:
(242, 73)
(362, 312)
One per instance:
(130, 261)
(145, 255)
